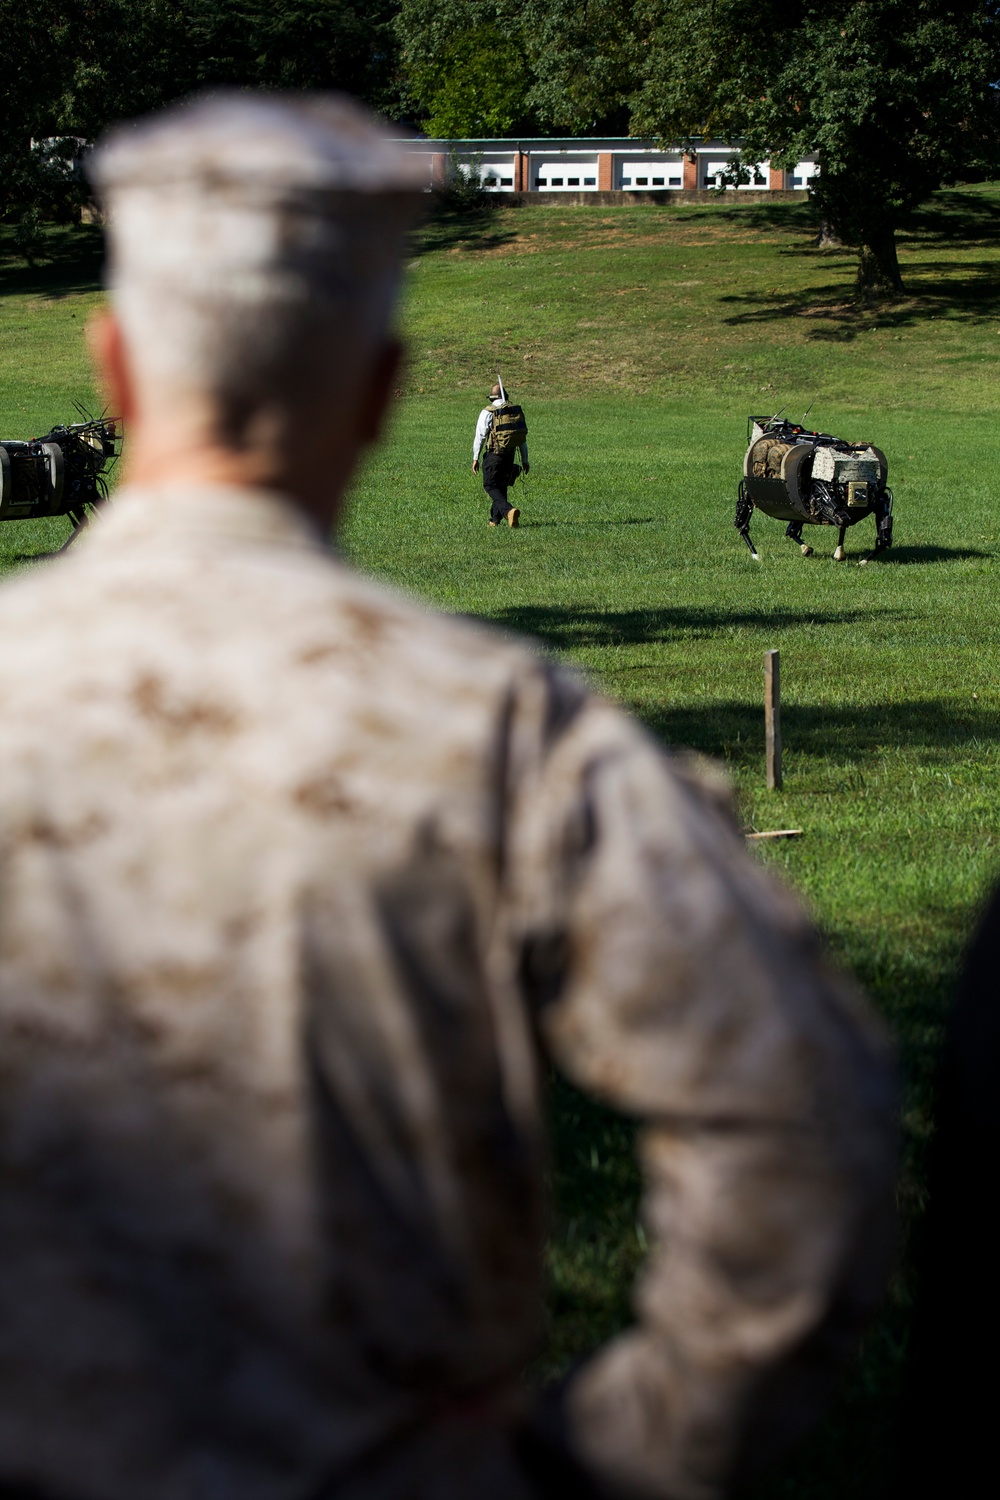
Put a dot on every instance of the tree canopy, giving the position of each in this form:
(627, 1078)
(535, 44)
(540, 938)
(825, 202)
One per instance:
(464, 65)
(73, 66)
(895, 97)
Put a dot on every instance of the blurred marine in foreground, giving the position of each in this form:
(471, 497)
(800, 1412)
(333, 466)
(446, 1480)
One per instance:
(300, 887)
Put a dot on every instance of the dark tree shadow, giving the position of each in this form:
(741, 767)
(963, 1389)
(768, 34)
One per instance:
(70, 263)
(469, 224)
(735, 730)
(962, 219)
(974, 297)
(730, 210)
(588, 524)
(908, 555)
(852, 733)
(564, 628)
(951, 220)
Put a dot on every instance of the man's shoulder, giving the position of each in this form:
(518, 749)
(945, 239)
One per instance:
(453, 647)
(292, 604)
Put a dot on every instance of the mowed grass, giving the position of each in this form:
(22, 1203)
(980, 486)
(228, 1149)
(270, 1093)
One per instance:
(639, 339)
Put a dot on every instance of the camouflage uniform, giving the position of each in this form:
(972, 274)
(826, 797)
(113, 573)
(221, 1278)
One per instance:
(295, 876)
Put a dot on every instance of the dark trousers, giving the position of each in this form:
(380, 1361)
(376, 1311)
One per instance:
(499, 473)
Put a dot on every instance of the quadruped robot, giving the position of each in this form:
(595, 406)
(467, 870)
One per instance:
(812, 479)
(60, 474)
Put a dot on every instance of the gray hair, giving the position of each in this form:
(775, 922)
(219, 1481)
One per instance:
(255, 245)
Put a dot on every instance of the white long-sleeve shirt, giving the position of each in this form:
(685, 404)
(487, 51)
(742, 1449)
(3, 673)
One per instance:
(483, 431)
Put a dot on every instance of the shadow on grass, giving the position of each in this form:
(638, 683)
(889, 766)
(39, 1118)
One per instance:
(849, 734)
(952, 220)
(962, 219)
(589, 523)
(974, 296)
(71, 263)
(563, 628)
(909, 555)
(468, 225)
(784, 215)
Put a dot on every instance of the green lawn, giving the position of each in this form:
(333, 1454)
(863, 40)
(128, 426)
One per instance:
(639, 339)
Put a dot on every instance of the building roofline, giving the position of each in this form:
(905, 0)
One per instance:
(511, 143)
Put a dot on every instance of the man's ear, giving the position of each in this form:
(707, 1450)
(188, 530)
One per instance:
(381, 382)
(111, 365)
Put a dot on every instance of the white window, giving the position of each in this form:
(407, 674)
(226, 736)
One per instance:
(652, 173)
(571, 174)
(713, 173)
(803, 174)
(496, 173)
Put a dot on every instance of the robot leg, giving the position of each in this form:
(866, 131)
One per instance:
(744, 510)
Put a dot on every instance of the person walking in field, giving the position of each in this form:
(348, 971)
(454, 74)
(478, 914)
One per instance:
(503, 433)
(304, 890)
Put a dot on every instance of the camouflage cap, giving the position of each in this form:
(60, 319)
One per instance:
(246, 228)
(267, 144)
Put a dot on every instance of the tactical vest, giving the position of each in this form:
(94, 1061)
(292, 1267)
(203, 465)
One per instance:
(509, 429)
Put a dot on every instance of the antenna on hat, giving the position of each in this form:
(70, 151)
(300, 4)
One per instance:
(503, 393)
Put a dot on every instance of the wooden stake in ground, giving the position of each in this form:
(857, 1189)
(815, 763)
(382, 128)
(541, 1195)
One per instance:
(772, 719)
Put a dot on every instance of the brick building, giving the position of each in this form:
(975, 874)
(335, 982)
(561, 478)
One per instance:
(612, 164)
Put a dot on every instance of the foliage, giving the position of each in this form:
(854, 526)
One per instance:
(537, 65)
(586, 60)
(465, 66)
(476, 86)
(299, 44)
(71, 67)
(36, 85)
(896, 97)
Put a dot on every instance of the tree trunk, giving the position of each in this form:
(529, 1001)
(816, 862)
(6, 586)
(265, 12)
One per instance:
(878, 267)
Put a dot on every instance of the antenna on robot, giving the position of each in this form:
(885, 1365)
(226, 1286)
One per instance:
(809, 408)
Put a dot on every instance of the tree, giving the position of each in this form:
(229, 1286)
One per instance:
(586, 61)
(298, 44)
(72, 67)
(895, 96)
(48, 49)
(465, 66)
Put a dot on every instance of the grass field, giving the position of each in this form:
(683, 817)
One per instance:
(638, 340)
